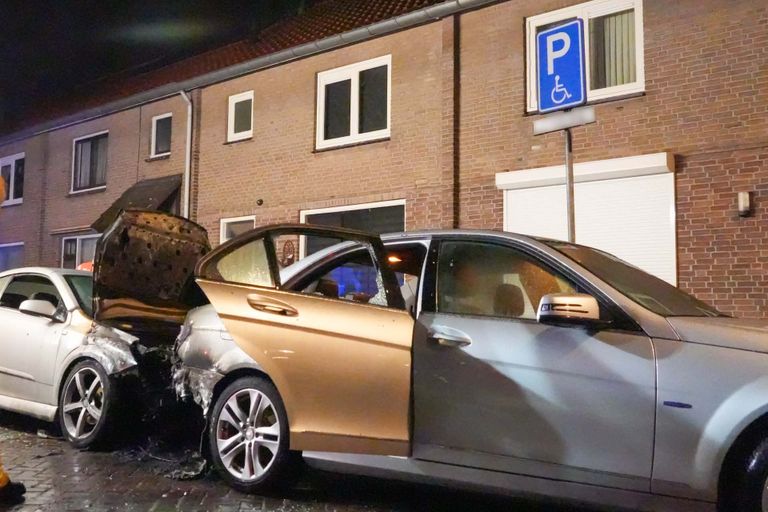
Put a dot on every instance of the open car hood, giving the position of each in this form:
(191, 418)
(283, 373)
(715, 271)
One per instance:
(143, 273)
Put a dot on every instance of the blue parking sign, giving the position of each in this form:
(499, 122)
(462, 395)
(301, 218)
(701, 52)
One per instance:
(562, 79)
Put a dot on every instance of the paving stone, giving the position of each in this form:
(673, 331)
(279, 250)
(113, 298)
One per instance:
(61, 478)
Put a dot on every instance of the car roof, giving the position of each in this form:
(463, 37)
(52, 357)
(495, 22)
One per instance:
(47, 271)
(425, 234)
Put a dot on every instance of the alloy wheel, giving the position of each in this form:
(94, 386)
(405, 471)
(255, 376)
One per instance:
(764, 501)
(247, 434)
(83, 403)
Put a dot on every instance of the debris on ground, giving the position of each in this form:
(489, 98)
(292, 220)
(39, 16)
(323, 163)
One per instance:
(195, 467)
(47, 434)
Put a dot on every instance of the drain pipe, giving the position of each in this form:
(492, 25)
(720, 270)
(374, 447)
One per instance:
(185, 207)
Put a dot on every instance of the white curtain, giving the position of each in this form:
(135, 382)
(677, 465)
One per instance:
(612, 48)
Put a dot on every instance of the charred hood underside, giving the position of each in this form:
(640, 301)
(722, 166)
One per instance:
(144, 274)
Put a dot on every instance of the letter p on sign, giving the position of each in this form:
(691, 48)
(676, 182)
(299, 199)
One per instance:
(553, 54)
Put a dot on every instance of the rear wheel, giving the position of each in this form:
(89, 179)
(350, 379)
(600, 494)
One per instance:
(86, 405)
(248, 436)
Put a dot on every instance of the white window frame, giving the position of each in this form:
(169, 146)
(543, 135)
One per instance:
(78, 248)
(352, 73)
(74, 154)
(11, 160)
(233, 100)
(586, 11)
(348, 208)
(153, 138)
(223, 225)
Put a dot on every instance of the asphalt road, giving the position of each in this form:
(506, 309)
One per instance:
(134, 478)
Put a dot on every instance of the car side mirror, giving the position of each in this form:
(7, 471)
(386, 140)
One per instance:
(570, 309)
(39, 308)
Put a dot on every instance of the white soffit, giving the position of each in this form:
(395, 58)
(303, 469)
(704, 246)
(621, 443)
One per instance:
(613, 168)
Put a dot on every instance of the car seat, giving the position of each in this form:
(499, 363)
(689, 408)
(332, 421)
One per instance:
(12, 300)
(508, 301)
(48, 297)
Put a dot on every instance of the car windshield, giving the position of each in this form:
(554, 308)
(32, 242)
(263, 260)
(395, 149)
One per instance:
(82, 287)
(647, 290)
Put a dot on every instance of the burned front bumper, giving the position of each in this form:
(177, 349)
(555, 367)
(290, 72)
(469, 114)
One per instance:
(204, 355)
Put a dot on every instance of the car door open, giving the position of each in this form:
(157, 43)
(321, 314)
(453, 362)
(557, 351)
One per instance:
(341, 361)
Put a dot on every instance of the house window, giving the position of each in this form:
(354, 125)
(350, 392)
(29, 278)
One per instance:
(353, 103)
(377, 218)
(89, 166)
(613, 46)
(12, 173)
(240, 117)
(161, 135)
(78, 249)
(11, 256)
(230, 228)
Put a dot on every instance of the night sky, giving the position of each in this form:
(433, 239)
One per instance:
(51, 49)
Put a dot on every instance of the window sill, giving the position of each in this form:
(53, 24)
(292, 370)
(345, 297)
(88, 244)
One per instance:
(236, 141)
(93, 190)
(352, 144)
(153, 158)
(601, 101)
(12, 202)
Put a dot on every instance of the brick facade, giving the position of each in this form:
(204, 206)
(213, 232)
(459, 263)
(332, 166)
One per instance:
(459, 118)
(706, 100)
(49, 211)
(279, 164)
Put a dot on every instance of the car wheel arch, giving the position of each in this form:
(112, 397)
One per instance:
(238, 373)
(67, 370)
(747, 439)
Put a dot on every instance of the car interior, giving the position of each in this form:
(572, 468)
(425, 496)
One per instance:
(29, 287)
(354, 277)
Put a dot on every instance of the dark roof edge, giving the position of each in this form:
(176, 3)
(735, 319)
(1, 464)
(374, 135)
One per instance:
(388, 26)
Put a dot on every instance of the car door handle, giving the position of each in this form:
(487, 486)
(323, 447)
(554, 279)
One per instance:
(448, 337)
(267, 305)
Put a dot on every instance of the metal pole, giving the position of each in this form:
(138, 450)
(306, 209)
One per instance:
(569, 185)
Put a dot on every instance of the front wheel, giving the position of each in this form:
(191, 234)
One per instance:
(745, 488)
(248, 435)
(86, 405)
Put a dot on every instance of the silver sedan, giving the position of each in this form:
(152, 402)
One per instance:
(56, 363)
(484, 359)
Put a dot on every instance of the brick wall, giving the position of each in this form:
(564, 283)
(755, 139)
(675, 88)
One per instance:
(48, 177)
(279, 164)
(706, 100)
(21, 222)
(723, 258)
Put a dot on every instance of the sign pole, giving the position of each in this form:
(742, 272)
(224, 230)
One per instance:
(569, 185)
(562, 85)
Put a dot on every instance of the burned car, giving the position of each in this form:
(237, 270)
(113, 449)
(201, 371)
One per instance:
(78, 354)
(474, 358)
(56, 363)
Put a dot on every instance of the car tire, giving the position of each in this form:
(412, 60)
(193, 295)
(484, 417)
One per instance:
(87, 406)
(249, 437)
(745, 488)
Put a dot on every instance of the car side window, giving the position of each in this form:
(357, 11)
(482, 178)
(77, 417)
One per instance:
(29, 287)
(247, 264)
(475, 278)
(354, 277)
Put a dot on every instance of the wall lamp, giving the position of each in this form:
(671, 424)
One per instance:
(746, 204)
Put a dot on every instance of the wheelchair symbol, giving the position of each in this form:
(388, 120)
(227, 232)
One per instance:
(559, 93)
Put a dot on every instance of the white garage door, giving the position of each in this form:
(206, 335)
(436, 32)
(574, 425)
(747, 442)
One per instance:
(623, 206)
